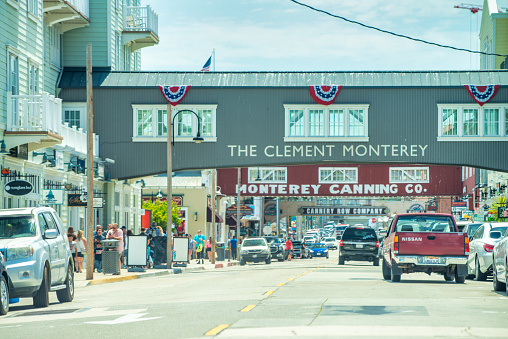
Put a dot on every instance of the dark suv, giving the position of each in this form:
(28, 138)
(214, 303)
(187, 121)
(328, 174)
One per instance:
(360, 244)
(277, 247)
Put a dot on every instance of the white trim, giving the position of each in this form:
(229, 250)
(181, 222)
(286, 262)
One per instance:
(326, 139)
(426, 181)
(338, 181)
(476, 139)
(261, 169)
(177, 139)
(14, 3)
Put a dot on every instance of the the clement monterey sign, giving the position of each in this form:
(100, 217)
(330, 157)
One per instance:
(339, 210)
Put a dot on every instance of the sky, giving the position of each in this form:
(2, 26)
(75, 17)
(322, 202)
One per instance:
(279, 35)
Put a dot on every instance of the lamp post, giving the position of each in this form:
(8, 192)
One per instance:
(169, 212)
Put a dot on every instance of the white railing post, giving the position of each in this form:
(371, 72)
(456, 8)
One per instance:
(45, 111)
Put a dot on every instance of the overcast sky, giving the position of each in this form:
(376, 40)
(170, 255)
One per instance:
(278, 35)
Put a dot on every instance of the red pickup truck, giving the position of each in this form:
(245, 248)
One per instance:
(425, 242)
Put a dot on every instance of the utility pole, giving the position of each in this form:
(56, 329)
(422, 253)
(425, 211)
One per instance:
(89, 166)
(214, 230)
(169, 200)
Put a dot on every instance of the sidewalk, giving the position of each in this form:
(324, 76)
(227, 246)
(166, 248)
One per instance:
(100, 278)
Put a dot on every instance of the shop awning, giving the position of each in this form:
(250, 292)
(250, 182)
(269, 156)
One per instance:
(209, 215)
(231, 220)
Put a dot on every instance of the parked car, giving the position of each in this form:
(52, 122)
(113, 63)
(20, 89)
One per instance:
(471, 228)
(359, 243)
(37, 254)
(255, 250)
(277, 247)
(319, 250)
(298, 248)
(4, 287)
(500, 264)
(330, 242)
(481, 246)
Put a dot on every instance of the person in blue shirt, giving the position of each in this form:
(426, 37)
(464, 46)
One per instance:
(200, 244)
(233, 245)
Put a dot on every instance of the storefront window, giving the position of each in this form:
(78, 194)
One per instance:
(449, 122)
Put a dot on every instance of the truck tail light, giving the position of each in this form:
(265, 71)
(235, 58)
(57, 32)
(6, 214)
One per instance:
(488, 247)
(377, 244)
(396, 244)
(341, 243)
(466, 245)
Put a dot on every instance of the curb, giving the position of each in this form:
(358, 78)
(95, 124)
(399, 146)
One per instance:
(79, 284)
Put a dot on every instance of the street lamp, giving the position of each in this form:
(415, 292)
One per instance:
(171, 141)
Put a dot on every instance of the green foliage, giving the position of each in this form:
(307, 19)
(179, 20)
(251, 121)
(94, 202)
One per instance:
(159, 213)
(493, 210)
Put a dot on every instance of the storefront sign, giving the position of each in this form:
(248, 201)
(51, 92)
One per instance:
(459, 206)
(331, 210)
(59, 160)
(18, 187)
(53, 197)
(271, 209)
(244, 210)
(415, 208)
(79, 200)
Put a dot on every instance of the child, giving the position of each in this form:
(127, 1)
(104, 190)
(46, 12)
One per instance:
(98, 257)
(72, 246)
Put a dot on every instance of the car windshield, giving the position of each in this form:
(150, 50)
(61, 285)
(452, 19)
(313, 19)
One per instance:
(253, 242)
(425, 223)
(472, 228)
(319, 245)
(16, 226)
(353, 233)
(497, 229)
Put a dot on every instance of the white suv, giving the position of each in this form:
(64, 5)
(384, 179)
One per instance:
(37, 254)
(255, 250)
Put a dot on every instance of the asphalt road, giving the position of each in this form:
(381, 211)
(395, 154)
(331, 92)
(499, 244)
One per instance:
(306, 298)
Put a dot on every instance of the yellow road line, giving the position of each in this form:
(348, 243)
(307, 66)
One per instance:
(291, 279)
(248, 308)
(299, 275)
(281, 284)
(217, 330)
(269, 292)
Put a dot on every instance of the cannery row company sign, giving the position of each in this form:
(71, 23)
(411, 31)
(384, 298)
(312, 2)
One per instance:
(332, 210)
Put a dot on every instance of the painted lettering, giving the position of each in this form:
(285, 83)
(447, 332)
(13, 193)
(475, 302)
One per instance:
(266, 151)
(315, 188)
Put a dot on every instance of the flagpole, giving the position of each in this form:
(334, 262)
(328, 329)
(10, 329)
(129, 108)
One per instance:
(213, 58)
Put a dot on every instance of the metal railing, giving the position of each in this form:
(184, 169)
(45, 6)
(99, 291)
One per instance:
(43, 112)
(140, 19)
(83, 6)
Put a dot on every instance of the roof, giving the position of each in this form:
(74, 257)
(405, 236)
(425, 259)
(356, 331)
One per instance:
(76, 78)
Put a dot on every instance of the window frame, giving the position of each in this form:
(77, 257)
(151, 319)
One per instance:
(338, 169)
(155, 137)
(414, 168)
(252, 178)
(460, 136)
(343, 124)
(75, 106)
(34, 78)
(16, 55)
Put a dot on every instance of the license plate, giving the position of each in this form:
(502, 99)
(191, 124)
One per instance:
(431, 260)
(255, 256)
(359, 246)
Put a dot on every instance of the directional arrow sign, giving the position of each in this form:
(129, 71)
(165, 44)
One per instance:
(128, 318)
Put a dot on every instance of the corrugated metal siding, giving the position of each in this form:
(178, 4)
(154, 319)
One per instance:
(255, 116)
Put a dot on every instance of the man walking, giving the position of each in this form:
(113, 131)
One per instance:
(233, 245)
(200, 245)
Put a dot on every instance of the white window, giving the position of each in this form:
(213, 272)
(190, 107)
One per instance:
(150, 122)
(338, 175)
(268, 174)
(54, 44)
(117, 52)
(330, 123)
(470, 122)
(13, 74)
(33, 79)
(409, 175)
(33, 7)
(74, 114)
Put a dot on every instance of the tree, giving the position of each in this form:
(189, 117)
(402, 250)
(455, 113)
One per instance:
(159, 213)
(493, 210)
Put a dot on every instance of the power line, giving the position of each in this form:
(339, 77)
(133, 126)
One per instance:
(394, 34)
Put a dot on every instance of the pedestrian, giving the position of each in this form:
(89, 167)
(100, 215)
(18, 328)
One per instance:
(70, 232)
(200, 246)
(80, 250)
(72, 246)
(289, 248)
(98, 257)
(233, 245)
(191, 247)
(122, 257)
(117, 234)
(208, 247)
(126, 246)
(96, 229)
(161, 231)
(98, 236)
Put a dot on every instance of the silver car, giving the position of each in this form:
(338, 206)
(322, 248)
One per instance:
(500, 264)
(481, 246)
(37, 254)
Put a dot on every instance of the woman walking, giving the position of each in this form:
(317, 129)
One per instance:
(208, 247)
(81, 249)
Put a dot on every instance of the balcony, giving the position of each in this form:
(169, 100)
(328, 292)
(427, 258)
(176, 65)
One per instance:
(140, 27)
(36, 120)
(71, 14)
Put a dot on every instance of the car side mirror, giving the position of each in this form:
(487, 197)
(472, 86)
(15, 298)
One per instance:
(51, 234)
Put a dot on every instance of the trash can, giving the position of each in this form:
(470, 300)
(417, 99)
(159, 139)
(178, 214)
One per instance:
(220, 249)
(110, 256)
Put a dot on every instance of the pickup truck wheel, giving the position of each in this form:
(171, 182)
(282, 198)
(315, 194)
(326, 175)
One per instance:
(67, 294)
(448, 277)
(386, 271)
(478, 275)
(459, 279)
(341, 260)
(41, 298)
(4, 296)
(242, 262)
(394, 277)
(376, 261)
(498, 286)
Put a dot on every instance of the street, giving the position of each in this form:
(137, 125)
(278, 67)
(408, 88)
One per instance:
(307, 298)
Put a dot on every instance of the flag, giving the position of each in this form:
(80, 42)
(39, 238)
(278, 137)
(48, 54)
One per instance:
(206, 66)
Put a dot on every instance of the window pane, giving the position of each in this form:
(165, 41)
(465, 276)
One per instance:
(356, 122)
(449, 122)
(184, 122)
(206, 121)
(296, 127)
(491, 122)
(336, 122)
(162, 119)
(72, 117)
(144, 122)
(316, 123)
(338, 175)
(470, 122)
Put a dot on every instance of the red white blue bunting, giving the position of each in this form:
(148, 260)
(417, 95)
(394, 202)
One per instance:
(324, 95)
(174, 94)
(482, 94)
